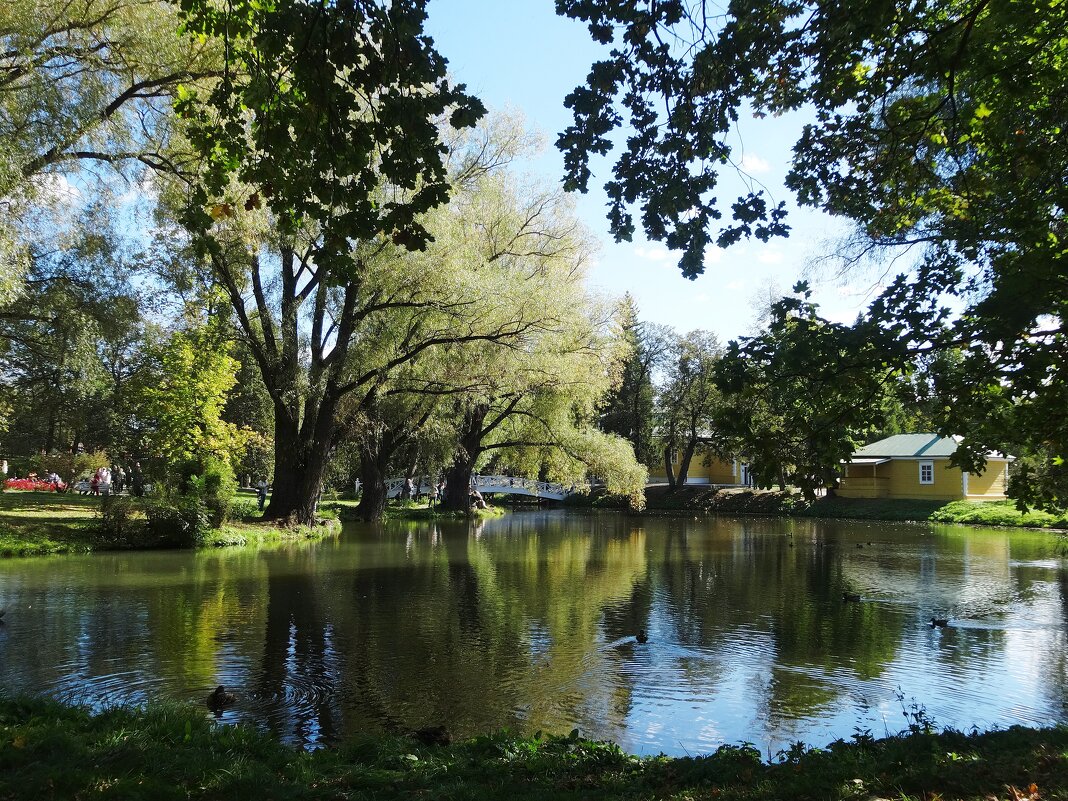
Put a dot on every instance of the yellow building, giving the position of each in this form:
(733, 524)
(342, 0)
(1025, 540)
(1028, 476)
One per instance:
(705, 468)
(917, 466)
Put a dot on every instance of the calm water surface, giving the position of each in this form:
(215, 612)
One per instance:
(527, 622)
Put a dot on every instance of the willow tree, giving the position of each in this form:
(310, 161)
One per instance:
(508, 328)
(85, 85)
(530, 403)
(325, 128)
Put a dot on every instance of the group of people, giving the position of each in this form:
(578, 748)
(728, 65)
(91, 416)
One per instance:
(106, 480)
(410, 491)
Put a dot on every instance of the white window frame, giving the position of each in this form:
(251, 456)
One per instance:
(930, 466)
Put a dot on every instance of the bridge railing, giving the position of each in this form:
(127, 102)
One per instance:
(498, 484)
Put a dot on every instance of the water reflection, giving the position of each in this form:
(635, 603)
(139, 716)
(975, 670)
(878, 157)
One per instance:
(528, 622)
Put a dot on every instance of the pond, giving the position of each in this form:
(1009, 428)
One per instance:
(528, 622)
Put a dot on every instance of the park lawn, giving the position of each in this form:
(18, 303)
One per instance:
(43, 523)
(172, 751)
(34, 523)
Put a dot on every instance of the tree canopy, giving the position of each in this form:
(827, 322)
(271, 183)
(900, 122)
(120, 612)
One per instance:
(937, 128)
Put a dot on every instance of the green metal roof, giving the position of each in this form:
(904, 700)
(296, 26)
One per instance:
(905, 445)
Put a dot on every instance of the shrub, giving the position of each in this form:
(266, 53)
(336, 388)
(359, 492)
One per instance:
(183, 521)
(118, 522)
(215, 487)
(244, 509)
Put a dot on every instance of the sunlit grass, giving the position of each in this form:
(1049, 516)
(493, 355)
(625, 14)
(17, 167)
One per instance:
(44, 523)
(48, 750)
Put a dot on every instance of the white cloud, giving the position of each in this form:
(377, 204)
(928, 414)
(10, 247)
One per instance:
(753, 163)
(55, 189)
(713, 255)
(770, 257)
(656, 253)
(735, 285)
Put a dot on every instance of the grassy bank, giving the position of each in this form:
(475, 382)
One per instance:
(411, 510)
(699, 499)
(44, 523)
(40, 523)
(48, 750)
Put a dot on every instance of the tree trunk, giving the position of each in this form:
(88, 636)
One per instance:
(684, 465)
(458, 484)
(372, 484)
(458, 476)
(669, 468)
(299, 464)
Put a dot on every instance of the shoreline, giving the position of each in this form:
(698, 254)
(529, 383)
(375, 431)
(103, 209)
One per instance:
(169, 750)
(45, 524)
(39, 524)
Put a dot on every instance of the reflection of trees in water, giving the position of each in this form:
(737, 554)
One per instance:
(298, 677)
(472, 631)
(757, 601)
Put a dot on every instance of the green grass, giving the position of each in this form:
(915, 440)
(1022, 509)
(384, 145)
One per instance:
(34, 523)
(409, 510)
(41, 523)
(169, 751)
(256, 533)
(696, 498)
(997, 513)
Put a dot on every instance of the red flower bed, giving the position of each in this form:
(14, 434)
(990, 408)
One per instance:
(30, 484)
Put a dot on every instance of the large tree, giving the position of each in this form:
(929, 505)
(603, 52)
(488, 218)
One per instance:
(688, 403)
(802, 396)
(641, 350)
(83, 85)
(521, 386)
(324, 134)
(937, 127)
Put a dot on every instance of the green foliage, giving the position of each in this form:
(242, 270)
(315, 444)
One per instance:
(1039, 480)
(214, 486)
(640, 350)
(803, 396)
(195, 496)
(317, 98)
(66, 343)
(88, 83)
(121, 523)
(180, 394)
(997, 513)
(937, 128)
(181, 521)
(244, 509)
(689, 404)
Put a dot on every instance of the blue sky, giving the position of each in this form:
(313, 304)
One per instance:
(518, 54)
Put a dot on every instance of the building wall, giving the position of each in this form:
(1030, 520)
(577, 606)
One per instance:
(717, 471)
(904, 475)
(863, 481)
(900, 478)
(992, 483)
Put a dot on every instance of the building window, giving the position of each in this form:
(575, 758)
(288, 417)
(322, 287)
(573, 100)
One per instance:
(927, 472)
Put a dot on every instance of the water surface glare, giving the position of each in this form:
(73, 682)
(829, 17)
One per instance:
(527, 622)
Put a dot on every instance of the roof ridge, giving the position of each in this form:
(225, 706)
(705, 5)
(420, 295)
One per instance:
(929, 445)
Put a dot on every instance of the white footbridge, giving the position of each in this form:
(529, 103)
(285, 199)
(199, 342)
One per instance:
(509, 485)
